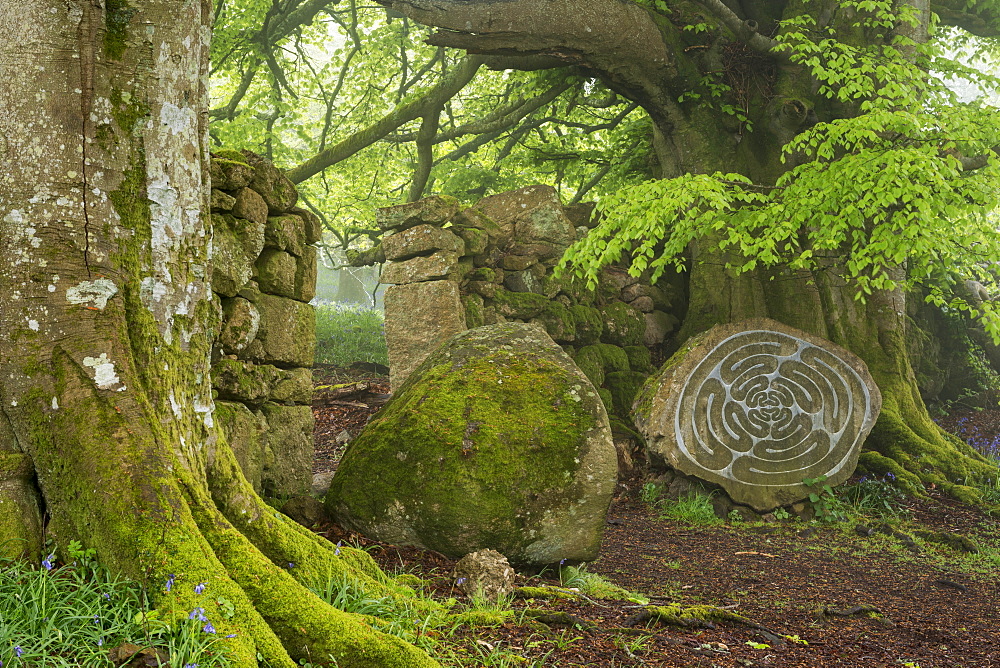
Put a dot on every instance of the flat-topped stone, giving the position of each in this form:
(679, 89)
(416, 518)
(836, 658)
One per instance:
(759, 407)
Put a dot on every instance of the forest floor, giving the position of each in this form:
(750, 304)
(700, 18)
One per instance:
(854, 592)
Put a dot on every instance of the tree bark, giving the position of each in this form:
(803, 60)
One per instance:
(106, 325)
(658, 65)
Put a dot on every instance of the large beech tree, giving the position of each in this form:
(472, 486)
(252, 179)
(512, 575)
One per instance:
(106, 325)
(807, 159)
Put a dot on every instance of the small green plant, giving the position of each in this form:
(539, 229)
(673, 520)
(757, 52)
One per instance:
(758, 645)
(989, 488)
(875, 496)
(348, 333)
(692, 508)
(782, 514)
(826, 505)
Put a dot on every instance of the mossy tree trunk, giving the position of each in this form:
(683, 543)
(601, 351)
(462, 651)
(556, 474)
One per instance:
(659, 55)
(106, 325)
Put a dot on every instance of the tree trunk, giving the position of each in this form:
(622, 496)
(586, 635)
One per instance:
(106, 325)
(662, 65)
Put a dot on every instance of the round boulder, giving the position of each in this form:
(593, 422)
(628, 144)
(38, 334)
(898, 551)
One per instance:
(496, 441)
(762, 409)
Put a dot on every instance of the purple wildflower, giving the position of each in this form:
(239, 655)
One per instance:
(170, 582)
(200, 587)
(231, 635)
(337, 550)
(47, 562)
(199, 614)
(18, 651)
(208, 628)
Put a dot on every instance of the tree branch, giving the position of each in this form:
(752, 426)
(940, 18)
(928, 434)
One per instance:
(620, 40)
(449, 85)
(745, 31)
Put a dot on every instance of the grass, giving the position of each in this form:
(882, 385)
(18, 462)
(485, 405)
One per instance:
(348, 333)
(72, 615)
(691, 508)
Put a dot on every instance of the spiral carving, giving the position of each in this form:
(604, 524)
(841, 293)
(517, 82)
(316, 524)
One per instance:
(765, 408)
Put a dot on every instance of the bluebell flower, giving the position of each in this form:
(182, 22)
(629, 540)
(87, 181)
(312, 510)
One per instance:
(890, 476)
(190, 665)
(18, 651)
(47, 562)
(291, 564)
(200, 587)
(208, 628)
(100, 641)
(199, 614)
(231, 635)
(337, 550)
(107, 596)
(170, 582)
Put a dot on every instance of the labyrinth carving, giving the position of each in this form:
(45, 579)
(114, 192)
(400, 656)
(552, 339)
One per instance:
(759, 411)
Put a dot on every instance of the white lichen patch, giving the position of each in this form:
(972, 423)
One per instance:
(96, 293)
(104, 372)
(33, 325)
(55, 404)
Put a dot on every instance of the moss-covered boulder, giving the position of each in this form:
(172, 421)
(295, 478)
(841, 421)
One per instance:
(497, 441)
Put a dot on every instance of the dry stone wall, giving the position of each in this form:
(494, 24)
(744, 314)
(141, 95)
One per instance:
(453, 268)
(264, 274)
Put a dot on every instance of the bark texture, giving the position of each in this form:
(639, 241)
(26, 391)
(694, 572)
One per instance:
(106, 325)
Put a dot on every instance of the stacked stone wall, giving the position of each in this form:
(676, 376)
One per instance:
(451, 268)
(263, 275)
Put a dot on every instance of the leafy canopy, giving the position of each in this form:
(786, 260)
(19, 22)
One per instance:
(911, 178)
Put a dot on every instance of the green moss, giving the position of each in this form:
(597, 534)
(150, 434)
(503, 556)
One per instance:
(588, 324)
(520, 305)
(481, 618)
(676, 615)
(623, 325)
(229, 155)
(603, 355)
(117, 15)
(545, 593)
(639, 359)
(473, 310)
(624, 386)
(558, 322)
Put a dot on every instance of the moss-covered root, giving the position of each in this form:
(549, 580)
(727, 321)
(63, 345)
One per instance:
(309, 628)
(694, 616)
(284, 541)
(919, 454)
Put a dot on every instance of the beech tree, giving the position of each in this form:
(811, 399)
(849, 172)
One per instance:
(812, 168)
(106, 326)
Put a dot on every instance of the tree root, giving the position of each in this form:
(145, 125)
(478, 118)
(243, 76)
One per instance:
(698, 616)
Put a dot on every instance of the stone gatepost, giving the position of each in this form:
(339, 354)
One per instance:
(423, 270)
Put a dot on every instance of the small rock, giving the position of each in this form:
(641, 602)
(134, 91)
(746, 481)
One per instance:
(484, 574)
(343, 437)
(306, 510)
(321, 483)
(863, 531)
